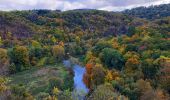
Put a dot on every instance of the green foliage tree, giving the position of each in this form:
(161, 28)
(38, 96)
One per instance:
(112, 58)
(19, 56)
(68, 83)
(131, 47)
(149, 68)
(35, 52)
(131, 31)
(100, 46)
(78, 50)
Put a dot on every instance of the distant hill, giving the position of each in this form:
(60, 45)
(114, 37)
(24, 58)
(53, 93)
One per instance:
(151, 13)
(23, 24)
(27, 23)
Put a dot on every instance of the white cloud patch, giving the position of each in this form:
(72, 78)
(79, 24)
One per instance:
(110, 5)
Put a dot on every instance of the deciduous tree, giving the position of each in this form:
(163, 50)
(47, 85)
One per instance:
(112, 58)
(19, 55)
(98, 75)
(58, 52)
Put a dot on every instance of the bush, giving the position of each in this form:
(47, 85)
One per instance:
(19, 92)
(68, 83)
(54, 82)
(42, 62)
(65, 95)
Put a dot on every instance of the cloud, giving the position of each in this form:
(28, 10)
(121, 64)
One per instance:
(110, 5)
(132, 4)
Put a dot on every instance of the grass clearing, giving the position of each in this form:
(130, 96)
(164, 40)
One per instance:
(36, 79)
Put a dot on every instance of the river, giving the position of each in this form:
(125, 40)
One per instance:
(80, 89)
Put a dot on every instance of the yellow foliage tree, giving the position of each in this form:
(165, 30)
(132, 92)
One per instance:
(109, 76)
(3, 86)
(0, 41)
(4, 62)
(115, 43)
(58, 52)
(89, 55)
(132, 63)
(54, 40)
(77, 39)
(19, 56)
(130, 54)
(132, 67)
(35, 43)
(56, 91)
(3, 55)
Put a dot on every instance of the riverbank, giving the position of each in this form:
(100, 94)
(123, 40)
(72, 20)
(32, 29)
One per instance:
(37, 80)
(75, 60)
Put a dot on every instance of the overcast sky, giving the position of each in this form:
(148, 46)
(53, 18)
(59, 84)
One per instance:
(110, 5)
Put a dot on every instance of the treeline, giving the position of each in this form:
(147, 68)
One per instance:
(151, 13)
(20, 58)
(23, 24)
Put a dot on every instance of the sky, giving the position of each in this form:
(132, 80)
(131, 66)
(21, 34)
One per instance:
(109, 5)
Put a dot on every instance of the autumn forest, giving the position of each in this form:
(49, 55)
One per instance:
(121, 55)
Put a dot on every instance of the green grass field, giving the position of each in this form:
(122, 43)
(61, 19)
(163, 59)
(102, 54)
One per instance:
(36, 80)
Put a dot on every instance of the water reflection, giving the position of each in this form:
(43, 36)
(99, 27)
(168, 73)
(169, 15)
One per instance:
(80, 89)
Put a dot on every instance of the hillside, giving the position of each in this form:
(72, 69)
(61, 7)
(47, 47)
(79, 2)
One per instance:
(151, 13)
(27, 23)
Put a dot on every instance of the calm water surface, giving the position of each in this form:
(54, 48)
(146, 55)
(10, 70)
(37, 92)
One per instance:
(80, 89)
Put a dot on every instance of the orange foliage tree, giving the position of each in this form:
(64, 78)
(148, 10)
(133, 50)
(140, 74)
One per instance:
(88, 75)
